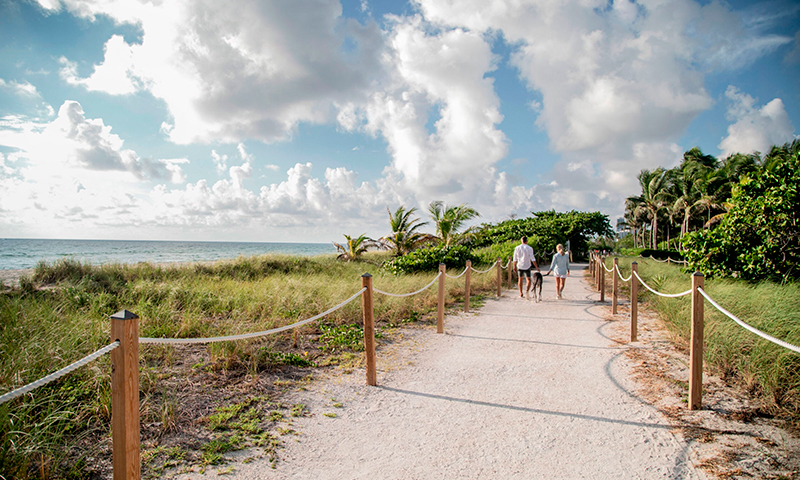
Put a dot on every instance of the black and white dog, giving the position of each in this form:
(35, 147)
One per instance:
(536, 286)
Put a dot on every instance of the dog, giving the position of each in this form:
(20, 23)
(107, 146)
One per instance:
(536, 286)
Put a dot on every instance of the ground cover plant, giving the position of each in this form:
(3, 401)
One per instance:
(768, 371)
(60, 314)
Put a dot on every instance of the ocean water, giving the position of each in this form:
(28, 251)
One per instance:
(16, 253)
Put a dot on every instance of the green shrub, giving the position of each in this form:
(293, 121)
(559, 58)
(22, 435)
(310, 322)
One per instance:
(757, 238)
(428, 259)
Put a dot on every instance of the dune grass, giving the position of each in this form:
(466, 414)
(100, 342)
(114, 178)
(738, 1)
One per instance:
(60, 314)
(768, 371)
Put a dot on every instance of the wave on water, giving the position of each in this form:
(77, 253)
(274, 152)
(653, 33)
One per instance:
(17, 253)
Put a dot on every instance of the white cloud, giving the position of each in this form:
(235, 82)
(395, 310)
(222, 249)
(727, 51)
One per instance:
(220, 161)
(237, 70)
(619, 85)
(113, 76)
(755, 129)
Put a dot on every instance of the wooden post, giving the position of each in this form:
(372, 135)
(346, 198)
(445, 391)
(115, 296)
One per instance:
(591, 263)
(440, 305)
(499, 277)
(602, 279)
(510, 269)
(614, 287)
(466, 286)
(369, 329)
(597, 269)
(634, 302)
(126, 460)
(696, 348)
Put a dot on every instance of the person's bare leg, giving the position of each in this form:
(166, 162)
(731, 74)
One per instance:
(519, 282)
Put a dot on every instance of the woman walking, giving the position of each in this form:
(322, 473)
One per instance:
(560, 268)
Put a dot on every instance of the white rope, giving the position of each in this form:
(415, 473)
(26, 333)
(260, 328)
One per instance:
(250, 335)
(457, 276)
(507, 264)
(484, 271)
(671, 295)
(56, 375)
(748, 327)
(412, 293)
(668, 260)
(609, 270)
(616, 267)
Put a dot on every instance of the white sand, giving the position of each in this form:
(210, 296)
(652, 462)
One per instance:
(517, 390)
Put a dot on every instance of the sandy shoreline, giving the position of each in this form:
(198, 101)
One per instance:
(11, 277)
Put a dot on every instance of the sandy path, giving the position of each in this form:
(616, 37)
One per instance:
(516, 390)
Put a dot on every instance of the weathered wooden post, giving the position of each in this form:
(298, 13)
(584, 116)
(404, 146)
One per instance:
(499, 277)
(696, 352)
(369, 329)
(440, 306)
(466, 286)
(591, 263)
(614, 287)
(602, 279)
(598, 268)
(510, 269)
(126, 460)
(634, 302)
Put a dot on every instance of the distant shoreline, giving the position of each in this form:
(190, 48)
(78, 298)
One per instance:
(11, 277)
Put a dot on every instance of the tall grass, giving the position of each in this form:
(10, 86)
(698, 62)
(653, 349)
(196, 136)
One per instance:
(767, 370)
(60, 314)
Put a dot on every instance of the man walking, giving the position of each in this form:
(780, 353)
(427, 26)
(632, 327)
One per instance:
(523, 260)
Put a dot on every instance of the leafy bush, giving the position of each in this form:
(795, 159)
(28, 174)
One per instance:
(548, 228)
(428, 259)
(631, 252)
(759, 236)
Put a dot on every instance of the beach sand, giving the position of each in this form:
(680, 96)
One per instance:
(11, 277)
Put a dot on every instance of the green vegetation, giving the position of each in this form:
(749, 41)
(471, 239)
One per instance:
(428, 260)
(61, 314)
(354, 247)
(449, 221)
(737, 217)
(768, 371)
(405, 236)
(544, 230)
(759, 235)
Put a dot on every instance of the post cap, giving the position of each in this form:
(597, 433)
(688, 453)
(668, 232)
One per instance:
(698, 274)
(366, 275)
(634, 263)
(124, 315)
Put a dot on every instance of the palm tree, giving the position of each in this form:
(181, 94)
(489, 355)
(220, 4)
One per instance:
(405, 237)
(653, 198)
(686, 179)
(449, 220)
(354, 247)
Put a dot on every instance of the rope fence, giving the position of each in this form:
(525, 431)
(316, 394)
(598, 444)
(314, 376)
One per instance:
(670, 295)
(697, 293)
(57, 374)
(124, 350)
(229, 338)
(746, 326)
(459, 275)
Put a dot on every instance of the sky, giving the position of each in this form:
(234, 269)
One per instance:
(303, 120)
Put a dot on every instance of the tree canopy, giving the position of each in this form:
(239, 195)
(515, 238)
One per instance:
(546, 230)
(759, 235)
